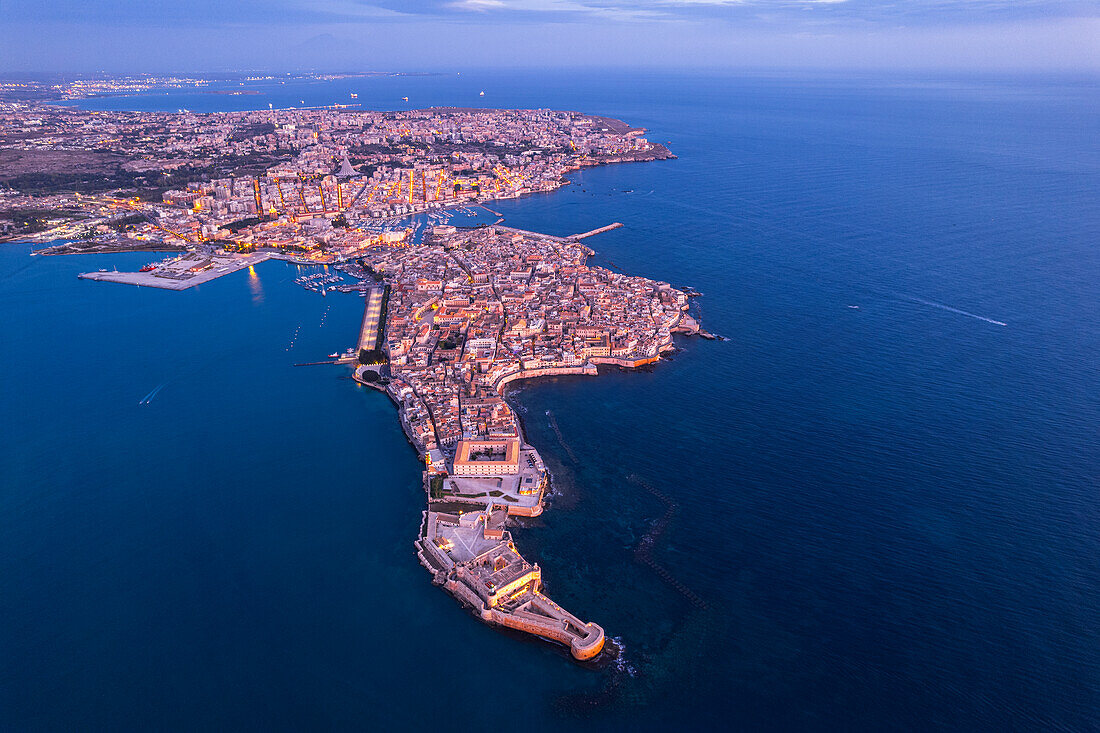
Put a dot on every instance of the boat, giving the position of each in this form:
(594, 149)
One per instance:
(482, 94)
(148, 268)
(354, 95)
(334, 355)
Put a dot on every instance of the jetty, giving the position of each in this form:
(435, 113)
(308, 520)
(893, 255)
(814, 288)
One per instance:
(181, 272)
(594, 232)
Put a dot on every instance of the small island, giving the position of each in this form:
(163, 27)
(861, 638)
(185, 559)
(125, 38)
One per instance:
(469, 312)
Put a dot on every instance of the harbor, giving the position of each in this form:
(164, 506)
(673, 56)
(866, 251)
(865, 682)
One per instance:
(320, 282)
(479, 468)
(457, 307)
(182, 272)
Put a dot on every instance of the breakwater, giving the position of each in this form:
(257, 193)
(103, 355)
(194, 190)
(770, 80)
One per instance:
(643, 552)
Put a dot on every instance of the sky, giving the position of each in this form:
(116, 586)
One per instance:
(130, 36)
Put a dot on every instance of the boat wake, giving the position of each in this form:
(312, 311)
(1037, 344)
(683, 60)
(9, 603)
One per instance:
(948, 308)
(153, 393)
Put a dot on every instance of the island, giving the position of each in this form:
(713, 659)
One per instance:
(467, 313)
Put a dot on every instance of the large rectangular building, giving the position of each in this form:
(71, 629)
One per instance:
(487, 457)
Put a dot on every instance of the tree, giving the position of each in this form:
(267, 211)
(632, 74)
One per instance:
(371, 356)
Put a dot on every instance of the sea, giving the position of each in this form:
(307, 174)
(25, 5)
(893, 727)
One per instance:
(872, 506)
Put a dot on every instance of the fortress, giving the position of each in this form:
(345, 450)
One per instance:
(473, 557)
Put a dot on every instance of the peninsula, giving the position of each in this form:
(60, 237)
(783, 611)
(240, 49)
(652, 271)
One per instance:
(451, 316)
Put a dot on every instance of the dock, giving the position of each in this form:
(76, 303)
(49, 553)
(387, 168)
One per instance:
(186, 272)
(571, 239)
(594, 232)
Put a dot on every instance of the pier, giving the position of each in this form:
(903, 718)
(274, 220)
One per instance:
(594, 232)
(182, 272)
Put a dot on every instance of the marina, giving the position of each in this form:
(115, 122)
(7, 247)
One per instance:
(320, 282)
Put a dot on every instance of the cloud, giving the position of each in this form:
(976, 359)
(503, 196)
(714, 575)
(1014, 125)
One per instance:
(140, 35)
(790, 13)
(478, 5)
(872, 11)
(554, 10)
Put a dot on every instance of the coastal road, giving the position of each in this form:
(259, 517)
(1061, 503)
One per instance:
(372, 314)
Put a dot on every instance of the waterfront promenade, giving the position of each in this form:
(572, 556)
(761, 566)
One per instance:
(372, 314)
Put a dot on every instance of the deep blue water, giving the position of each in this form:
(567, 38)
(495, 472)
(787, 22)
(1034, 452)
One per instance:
(890, 512)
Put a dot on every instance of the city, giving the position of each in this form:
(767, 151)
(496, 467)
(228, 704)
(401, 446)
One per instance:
(362, 369)
(469, 313)
(451, 318)
(319, 183)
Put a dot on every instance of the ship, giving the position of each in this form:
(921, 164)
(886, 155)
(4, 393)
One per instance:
(354, 95)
